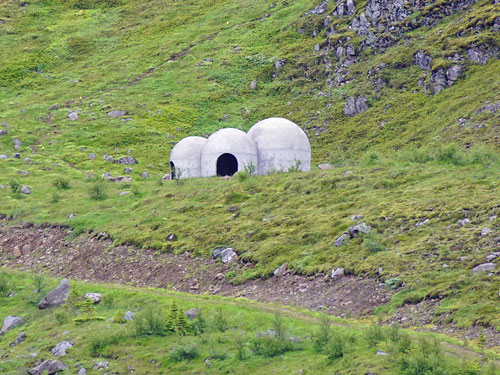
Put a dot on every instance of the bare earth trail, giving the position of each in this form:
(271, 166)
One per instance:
(93, 258)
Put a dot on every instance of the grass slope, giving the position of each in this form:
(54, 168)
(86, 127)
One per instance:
(228, 343)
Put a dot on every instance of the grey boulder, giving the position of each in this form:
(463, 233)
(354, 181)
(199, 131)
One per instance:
(226, 254)
(129, 315)
(51, 367)
(341, 239)
(358, 229)
(60, 349)
(116, 113)
(11, 322)
(20, 338)
(337, 272)
(95, 297)
(127, 160)
(25, 190)
(56, 297)
(281, 270)
(355, 105)
(485, 267)
(193, 313)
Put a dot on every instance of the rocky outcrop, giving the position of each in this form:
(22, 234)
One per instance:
(49, 367)
(482, 268)
(60, 349)
(56, 297)
(10, 322)
(355, 105)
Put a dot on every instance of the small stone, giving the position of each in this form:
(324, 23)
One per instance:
(325, 167)
(123, 193)
(485, 231)
(4, 132)
(23, 173)
(253, 85)
(341, 239)
(73, 116)
(127, 170)
(3, 157)
(486, 267)
(358, 229)
(166, 177)
(337, 272)
(116, 113)
(145, 175)
(172, 237)
(95, 297)
(101, 365)
(20, 338)
(463, 222)
(60, 349)
(82, 371)
(54, 107)
(25, 190)
(17, 143)
(27, 160)
(491, 257)
(281, 270)
(380, 352)
(192, 314)
(491, 218)
(91, 156)
(10, 322)
(127, 160)
(129, 315)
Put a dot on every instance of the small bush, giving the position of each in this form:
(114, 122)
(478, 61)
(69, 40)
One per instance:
(61, 317)
(372, 242)
(416, 155)
(88, 312)
(250, 169)
(374, 335)
(242, 176)
(295, 168)
(337, 347)
(219, 322)
(15, 186)
(61, 183)
(4, 286)
(150, 321)
(321, 339)
(483, 155)
(97, 191)
(450, 154)
(118, 317)
(370, 158)
(184, 352)
(271, 346)
(100, 343)
(426, 359)
(55, 197)
(240, 346)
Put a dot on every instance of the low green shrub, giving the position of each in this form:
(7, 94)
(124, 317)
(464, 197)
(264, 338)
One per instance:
(100, 343)
(374, 335)
(97, 190)
(61, 317)
(118, 317)
(150, 321)
(15, 186)
(184, 352)
(61, 183)
(4, 286)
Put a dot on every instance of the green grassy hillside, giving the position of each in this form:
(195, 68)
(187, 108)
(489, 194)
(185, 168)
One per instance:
(223, 339)
(411, 166)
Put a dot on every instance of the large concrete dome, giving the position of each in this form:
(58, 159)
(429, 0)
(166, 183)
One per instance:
(185, 157)
(226, 152)
(281, 145)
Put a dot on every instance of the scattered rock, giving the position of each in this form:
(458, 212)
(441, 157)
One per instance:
(172, 237)
(101, 365)
(57, 296)
(355, 105)
(226, 254)
(23, 173)
(423, 222)
(25, 190)
(116, 113)
(129, 315)
(51, 367)
(423, 61)
(193, 313)
(82, 371)
(95, 297)
(17, 143)
(463, 222)
(145, 175)
(60, 349)
(337, 272)
(10, 322)
(485, 267)
(4, 132)
(166, 177)
(20, 338)
(253, 85)
(27, 161)
(491, 257)
(232, 209)
(73, 116)
(3, 157)
(325, 167)
(91, 156)
(358, 229)
(127, 170)
(127, 160)
(107, 176)
(485, 231)
(281, 270)
(380, 352)
(109, 158)
(54, 107)
(491, 218)
(123, 193)
(340, 240)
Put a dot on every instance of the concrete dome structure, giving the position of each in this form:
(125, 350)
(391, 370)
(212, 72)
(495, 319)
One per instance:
(185, 158)
(226, 152)
(281, 145)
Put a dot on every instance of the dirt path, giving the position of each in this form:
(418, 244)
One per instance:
(92, 257)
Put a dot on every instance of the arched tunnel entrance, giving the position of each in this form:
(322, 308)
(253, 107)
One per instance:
(227, 165)
(172, 171)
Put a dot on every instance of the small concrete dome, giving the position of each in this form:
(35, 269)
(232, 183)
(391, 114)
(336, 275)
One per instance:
(185, 158)
(226, 152)
(282, 144)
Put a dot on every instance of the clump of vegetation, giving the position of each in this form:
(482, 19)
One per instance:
(88, 312)
(184, 352)
(118, 317)
(15, 186)
(97, 190)
(150, 321)
(61, 183)
(4, 285)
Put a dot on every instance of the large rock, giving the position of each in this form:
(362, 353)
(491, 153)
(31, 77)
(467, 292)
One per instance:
(281, 270)
(485, 267)
(51, 367)
(11, 322)
(127, 160)
(358, 229)
(56, 297)
(60, 349)
(95, 297)
(25, 190)
(116, 113)
(337, 272)
(226, 254)
(355, 105)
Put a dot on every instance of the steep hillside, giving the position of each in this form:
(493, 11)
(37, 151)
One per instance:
(402, 98)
